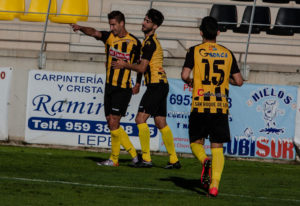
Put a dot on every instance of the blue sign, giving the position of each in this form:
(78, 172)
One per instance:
(262, 120)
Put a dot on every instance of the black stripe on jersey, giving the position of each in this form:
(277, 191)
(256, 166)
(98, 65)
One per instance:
(124, 47)
(221, 72)
(137, 49)
(218, 94)
(207, 97)
(227, 92)
(107, 55)
(161, 80)
(227, 95)
(121, 73)
(133, 61)
(206, 110)
(219, 111)
(133, 52)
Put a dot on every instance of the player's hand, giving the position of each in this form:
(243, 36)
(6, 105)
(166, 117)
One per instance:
(136, 88)
(191, 83)
(119, 64)
(75, 27)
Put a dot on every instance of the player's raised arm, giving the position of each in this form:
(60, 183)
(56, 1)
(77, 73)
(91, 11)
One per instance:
(87, 30)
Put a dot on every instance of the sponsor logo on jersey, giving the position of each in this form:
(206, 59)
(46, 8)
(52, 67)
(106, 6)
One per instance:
(204, 53)
(209, 94)
(212, 48)
(118, 54)
(217, 54)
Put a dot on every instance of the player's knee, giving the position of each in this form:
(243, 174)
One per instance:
(113, 124)
(160, 123)
(198, 141)
(138, 120)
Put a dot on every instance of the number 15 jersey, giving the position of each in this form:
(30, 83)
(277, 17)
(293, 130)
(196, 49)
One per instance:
(212, 65)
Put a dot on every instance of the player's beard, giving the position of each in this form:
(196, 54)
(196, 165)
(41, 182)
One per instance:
(115, 32)
(146, 31)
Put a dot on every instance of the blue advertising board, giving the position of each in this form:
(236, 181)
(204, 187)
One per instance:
(262, 120)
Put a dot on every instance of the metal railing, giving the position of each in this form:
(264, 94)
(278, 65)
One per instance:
(42, 57)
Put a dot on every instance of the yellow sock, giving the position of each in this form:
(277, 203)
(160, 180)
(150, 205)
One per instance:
(115, 145)
(217, 166)
(126, 143)
(167, 137)
(199, 151)
(144, 134)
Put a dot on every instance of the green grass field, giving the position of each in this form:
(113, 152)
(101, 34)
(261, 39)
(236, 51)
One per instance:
(38, 176)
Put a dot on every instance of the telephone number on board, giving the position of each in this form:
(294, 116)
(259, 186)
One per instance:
(82, 126)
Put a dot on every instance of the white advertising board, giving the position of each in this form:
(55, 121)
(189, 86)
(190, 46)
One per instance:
(5, 81)
(68, 109)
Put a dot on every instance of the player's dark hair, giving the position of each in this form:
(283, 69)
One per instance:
(156, 16)
(117, 15)
(209, 28)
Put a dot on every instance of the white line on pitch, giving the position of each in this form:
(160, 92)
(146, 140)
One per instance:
(136, 188)
(88, 185)
(264, 198)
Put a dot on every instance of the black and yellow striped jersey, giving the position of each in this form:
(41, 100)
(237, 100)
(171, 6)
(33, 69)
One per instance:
(212, 65)
(152, 51)
(126, 48)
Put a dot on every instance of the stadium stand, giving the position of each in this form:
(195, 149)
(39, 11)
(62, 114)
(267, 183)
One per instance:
(72, 11)
(244, 0)
(286, 20)
(188, 15)
(226, 16)
(261, 20)
(177, 34)
(8, 6)
(38, 10)
(277, 1)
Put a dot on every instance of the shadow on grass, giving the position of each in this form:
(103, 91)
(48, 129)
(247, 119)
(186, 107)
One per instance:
(98, 159)
(187, 184)
(123, 162)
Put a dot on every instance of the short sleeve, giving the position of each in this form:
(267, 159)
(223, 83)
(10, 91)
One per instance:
(189, 58)
(234, 66)
(137, 52)
(104, 36)
(148, 50)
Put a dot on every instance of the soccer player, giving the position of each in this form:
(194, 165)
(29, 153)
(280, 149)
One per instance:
(118, 89)
(213, 67)
(154, 101)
